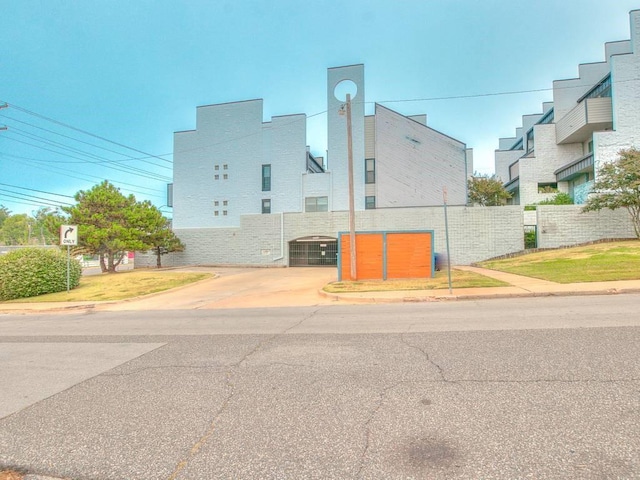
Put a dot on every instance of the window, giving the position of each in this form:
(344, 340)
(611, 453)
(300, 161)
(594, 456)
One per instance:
(216, 167)
(225, 176)
(266, 178)
(266, 205)
(215, 214)
(601, 89)
(370, 170)
(216, 203)
(216, 177)
(530, 143)
(224, 212)
(316, 204)
(369, 203)
(225, 202)
(225, 167)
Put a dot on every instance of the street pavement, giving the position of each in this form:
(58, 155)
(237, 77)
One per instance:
(268, 287)
(209, 382)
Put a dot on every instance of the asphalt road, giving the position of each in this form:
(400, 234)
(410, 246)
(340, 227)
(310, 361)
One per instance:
(513, 388)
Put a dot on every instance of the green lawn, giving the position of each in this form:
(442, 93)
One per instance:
(119, 286)
(459, 279)
(592, 263)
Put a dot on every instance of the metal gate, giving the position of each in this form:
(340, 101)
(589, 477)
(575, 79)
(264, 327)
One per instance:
(313, 252)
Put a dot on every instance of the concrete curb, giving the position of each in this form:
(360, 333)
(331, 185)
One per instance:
(365, 298)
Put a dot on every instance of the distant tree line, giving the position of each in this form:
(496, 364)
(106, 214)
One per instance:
(109, 225)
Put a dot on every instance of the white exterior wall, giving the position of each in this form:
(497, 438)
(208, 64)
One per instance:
(506, 143)
(625, 76)
(233, 134)
(567, 92)
(337, 138)
(415, 162)
(195, 154)
(548, 157)
(285, 149)
(315, 185)
(503, 159)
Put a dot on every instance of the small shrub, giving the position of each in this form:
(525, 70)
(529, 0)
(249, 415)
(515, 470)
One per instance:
(29, 272)
(530, 239)
(558, 199)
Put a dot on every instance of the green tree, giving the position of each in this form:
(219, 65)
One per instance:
(110, 223)
(487, 191)
(4, 214)
(618, 186)
(47, 225)
(162, 240)
(16, 229)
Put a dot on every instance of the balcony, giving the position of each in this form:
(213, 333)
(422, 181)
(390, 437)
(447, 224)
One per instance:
(590, 115)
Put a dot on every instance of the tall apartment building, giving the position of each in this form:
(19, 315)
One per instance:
(591, 118)
(236, 164)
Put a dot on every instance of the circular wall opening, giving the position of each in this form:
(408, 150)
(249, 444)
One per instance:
(344, 87)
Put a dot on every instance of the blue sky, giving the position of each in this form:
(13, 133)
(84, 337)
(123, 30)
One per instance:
(132, 72)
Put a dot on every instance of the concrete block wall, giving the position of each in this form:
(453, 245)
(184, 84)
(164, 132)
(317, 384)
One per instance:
(563, 225)
(475, 233)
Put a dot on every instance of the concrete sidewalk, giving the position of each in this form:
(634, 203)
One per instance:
(519, 286)
(255, 288)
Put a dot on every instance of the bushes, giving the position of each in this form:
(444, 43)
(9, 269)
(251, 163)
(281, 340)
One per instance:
(34, 271)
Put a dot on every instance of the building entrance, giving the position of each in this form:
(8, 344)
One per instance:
(313, 252)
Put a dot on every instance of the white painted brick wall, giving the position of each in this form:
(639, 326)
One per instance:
(475, 233)
(625, 75)
(549, 156)
(415, 162)
(233, 134)
(562, 225)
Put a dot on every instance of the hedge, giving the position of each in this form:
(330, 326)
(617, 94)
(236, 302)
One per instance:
(35, 271)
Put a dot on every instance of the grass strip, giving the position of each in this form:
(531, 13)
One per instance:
(459, 279)
(602, 262)
(119, 286)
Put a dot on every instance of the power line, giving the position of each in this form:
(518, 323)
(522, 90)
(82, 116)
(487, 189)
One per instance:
(34, 190)
(22, 196)
(87, 143)
(142, 173)
(66, 125)
(87, 177)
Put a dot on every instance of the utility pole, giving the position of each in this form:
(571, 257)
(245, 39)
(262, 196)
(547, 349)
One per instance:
(352, 213)
(446, 233)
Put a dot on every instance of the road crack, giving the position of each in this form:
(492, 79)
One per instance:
(426, 355)
(232, 370)
(367, 424)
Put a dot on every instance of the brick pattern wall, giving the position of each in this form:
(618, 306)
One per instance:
(562, 225)
(474, 234)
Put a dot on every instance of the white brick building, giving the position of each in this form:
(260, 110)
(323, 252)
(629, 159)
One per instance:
(590, 120)
(234, 164)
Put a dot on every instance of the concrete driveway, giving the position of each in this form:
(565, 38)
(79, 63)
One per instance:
(240, 287)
